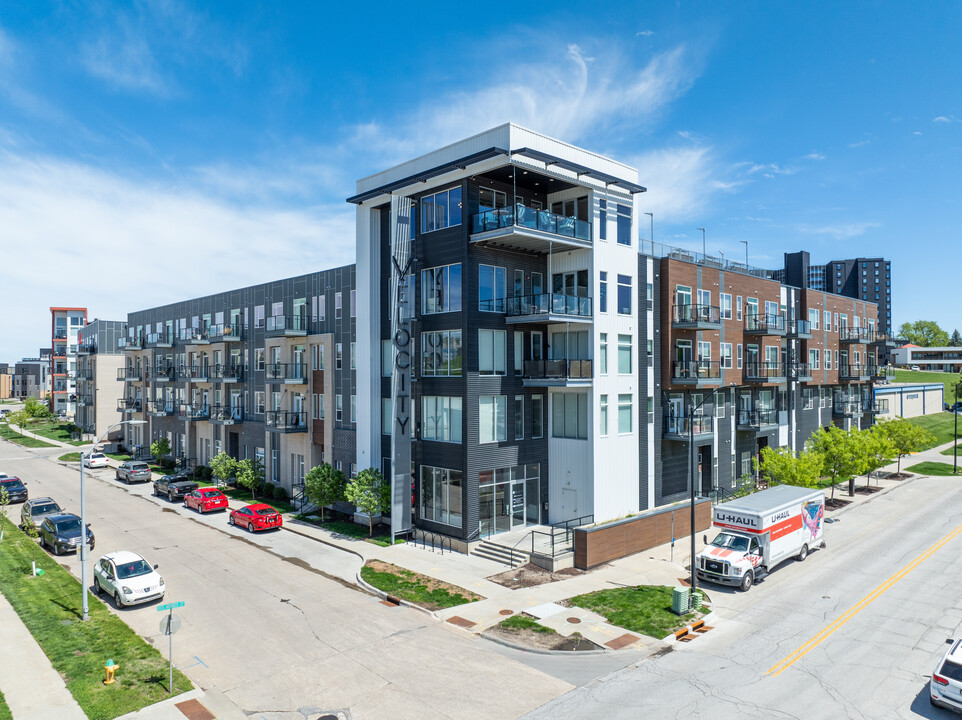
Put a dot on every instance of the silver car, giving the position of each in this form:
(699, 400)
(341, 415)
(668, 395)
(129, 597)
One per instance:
(35, 510)
(945, 687)
(133, 471)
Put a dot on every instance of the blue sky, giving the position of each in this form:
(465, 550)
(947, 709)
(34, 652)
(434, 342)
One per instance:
(151, 151)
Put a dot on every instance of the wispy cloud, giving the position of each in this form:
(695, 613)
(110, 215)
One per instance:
(680, 181)
(770, 170)
(860, 143)
(644, 33)
(814, 156)
(942, 119)
(841, 231)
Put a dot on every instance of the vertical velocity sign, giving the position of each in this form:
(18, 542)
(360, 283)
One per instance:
(402, 342)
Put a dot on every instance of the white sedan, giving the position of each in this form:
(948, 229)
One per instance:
(95, 460)
(128, 579)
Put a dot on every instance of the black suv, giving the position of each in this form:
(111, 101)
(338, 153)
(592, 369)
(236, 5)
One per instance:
(15, 489)
(61, 533)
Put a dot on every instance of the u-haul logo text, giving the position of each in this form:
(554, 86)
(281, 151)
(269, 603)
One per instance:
(778, 517)
(735, 519)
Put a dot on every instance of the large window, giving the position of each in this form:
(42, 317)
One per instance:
(492, 418)
(603, 416)
(537, 416)
(441, 289)
(624, 224)
(624, 354)
(603, 290)
(603, 354)
(491, 352)
(441, 210)
(441, 353)
(441, 495)
(624, 295)
(569, 415)
(519, 417)
(491, 288)
(441, 418)
(624, 413)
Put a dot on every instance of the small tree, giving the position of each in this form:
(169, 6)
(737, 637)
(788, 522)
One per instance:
(906, 437)
(956, 339)
(370, 494)
(19, 418)
(324, 486)
(781, 465)
(223, 467)
(4, 502)
(160, 448)
(250, 474)
(36, 409)
(876, 450)
(839, 453)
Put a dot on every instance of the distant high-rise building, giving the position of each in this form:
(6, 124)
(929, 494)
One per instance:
(65, 324)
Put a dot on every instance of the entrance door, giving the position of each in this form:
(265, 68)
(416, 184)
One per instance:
(705, 469)
(486, 510)
(517, 505)
(502, 507)
(233, 445)
(676, 413)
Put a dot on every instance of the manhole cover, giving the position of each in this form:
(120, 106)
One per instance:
(507, 612)
(574, 620)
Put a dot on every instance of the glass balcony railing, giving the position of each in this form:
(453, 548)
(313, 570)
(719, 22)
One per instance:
(284, 324)
(287, 372)
(557, 369)
(692, 315)
(757, 418)
(859, 335)
(764, 371)
(286, 421)
(522, 216)
(800, 328)
(195, 411)
(231, 373)
(765, 324)
(226, 415)
(696, 370)
(224, 332)
(542, 304)
(683, 425)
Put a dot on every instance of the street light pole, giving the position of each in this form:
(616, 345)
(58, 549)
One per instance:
(85, 607)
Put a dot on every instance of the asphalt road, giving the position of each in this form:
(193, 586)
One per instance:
(265, 627)
(853, 632)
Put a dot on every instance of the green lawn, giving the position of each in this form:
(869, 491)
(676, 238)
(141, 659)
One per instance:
(644, 609)
(933, 468)
(947, 379)
(5, 713)
(15, 437)
(382, 536)
(950, 450)
(70, 457)
(49, 606)
(415, 588)
(521, 622)
(59, 431)
(941, 425)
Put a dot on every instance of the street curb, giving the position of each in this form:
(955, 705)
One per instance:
(539, 651)
(287, 527)
(380, 593)
(880, 493)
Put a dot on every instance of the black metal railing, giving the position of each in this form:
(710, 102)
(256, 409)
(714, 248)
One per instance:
(699, 424)
(128, 404)
(225, 331)
(287, 420)
(279, 324)
(765, 323)
(852, 370)
(226, 414)
(194, 411)
(798, 370)
(696, 370)
(692, 314)
(163, 372)
(757, 418)
(525, 217)
(162, 407)
(194, 373)
(848, 409)
(543, 304)
(557, 369)
(164, 337)
(130, 374)
(764, 370)
(857, 335)
(286, 371)
(233, 373)
(799, 328)
(191, 335)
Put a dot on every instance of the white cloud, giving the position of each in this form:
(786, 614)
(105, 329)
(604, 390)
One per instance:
(841, 231)
(941, 119)
(770, 170)
(860, 143)
(644, 33)
(680, 181)
(815, 156)
(88, 237)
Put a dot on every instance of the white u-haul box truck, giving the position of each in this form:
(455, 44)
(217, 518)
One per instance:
(759, 531)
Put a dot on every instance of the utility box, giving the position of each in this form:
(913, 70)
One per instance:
(679, 600)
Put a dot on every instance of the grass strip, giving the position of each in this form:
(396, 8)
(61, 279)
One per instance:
(5, 713)
(49, 606)
(70, 457)
(941, 425)
(7, 433)
(522, 622)
(951, 451)
(644, 609)
(933, 468)
(354, 530)
(422, 590)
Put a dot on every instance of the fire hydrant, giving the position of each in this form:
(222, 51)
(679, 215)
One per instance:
(110, 667)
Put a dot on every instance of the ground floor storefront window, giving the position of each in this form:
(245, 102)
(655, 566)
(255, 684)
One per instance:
(509, 498)
(441, 495)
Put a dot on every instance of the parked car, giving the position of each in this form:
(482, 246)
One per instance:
(95, 460)
(15, 488)
(34, 511)
(945, 687)
(914, 368)
(256, 517)
(206, 499)
(128, 578)
(61, 533)
(133, 471)
(175, 487)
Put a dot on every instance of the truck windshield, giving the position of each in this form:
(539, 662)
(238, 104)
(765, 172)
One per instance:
(731, 542)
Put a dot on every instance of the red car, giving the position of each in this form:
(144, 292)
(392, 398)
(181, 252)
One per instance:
(206, 499)
(256, 517)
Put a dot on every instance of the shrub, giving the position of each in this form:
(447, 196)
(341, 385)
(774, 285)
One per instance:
(280, 493)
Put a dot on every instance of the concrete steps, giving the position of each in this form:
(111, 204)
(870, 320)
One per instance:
(492, 550)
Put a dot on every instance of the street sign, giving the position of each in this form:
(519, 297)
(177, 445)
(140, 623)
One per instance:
(170, 624)
(170, 606)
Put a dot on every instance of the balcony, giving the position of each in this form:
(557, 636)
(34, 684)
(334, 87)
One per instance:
(162, 373)
(860, 373)
(286, 326)
(129, 374)
(86, 348)
(192, 336)
(765, 325)
(284, 421)
(162, 339)
(225, 333)
(556, 373)
(801, 329)
(125, 405)
(130, 343)
(883, 340)
(860, 335)
(701, 427)
(60, 334)
(194, 373)
(228, 373)
(695, 317)
(800, 372)
(189, 412)
(764, 372)
(523, 228)
(697, 373)
(286, 373)
(85, 400)
(60, 352)
(546, 308)
(851, 408)
(161, 408)
(756, 420)
(226, 415)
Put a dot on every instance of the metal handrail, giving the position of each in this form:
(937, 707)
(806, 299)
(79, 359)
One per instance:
(689, 313)
(765, 322)
(696, 369)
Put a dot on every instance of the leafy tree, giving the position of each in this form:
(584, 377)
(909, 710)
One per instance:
(924, 333)
(4, 502)
(905, 437)
(250, 474)
(956, 339)
(876, 450)
(839, 452)
(160, 448)
(781, 465)
(223, 467)
(19, 418)
(36, 409)
(324, 486)
(370, 494)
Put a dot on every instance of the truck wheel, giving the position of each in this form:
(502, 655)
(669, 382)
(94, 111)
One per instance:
(747, 581)
(803, 553)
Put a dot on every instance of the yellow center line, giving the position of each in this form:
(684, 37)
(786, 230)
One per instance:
(776, 669)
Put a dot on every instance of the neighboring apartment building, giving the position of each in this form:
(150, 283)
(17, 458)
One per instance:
(6, 383)
(930, 359)
(65, 324)
(265, 371)
(99, 357)
(31, 377)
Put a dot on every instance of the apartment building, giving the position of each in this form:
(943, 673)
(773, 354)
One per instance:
(6, 381)
(99, 357)
(65, 324)
(265, 371)
(31, 376)
(931, 359)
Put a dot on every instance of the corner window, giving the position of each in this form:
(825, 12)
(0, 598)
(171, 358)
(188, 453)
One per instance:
(441, 210)
(441, 289)
(491, 352)
(492, 418)
(569, 415)
(441, 419)
(491, 288)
